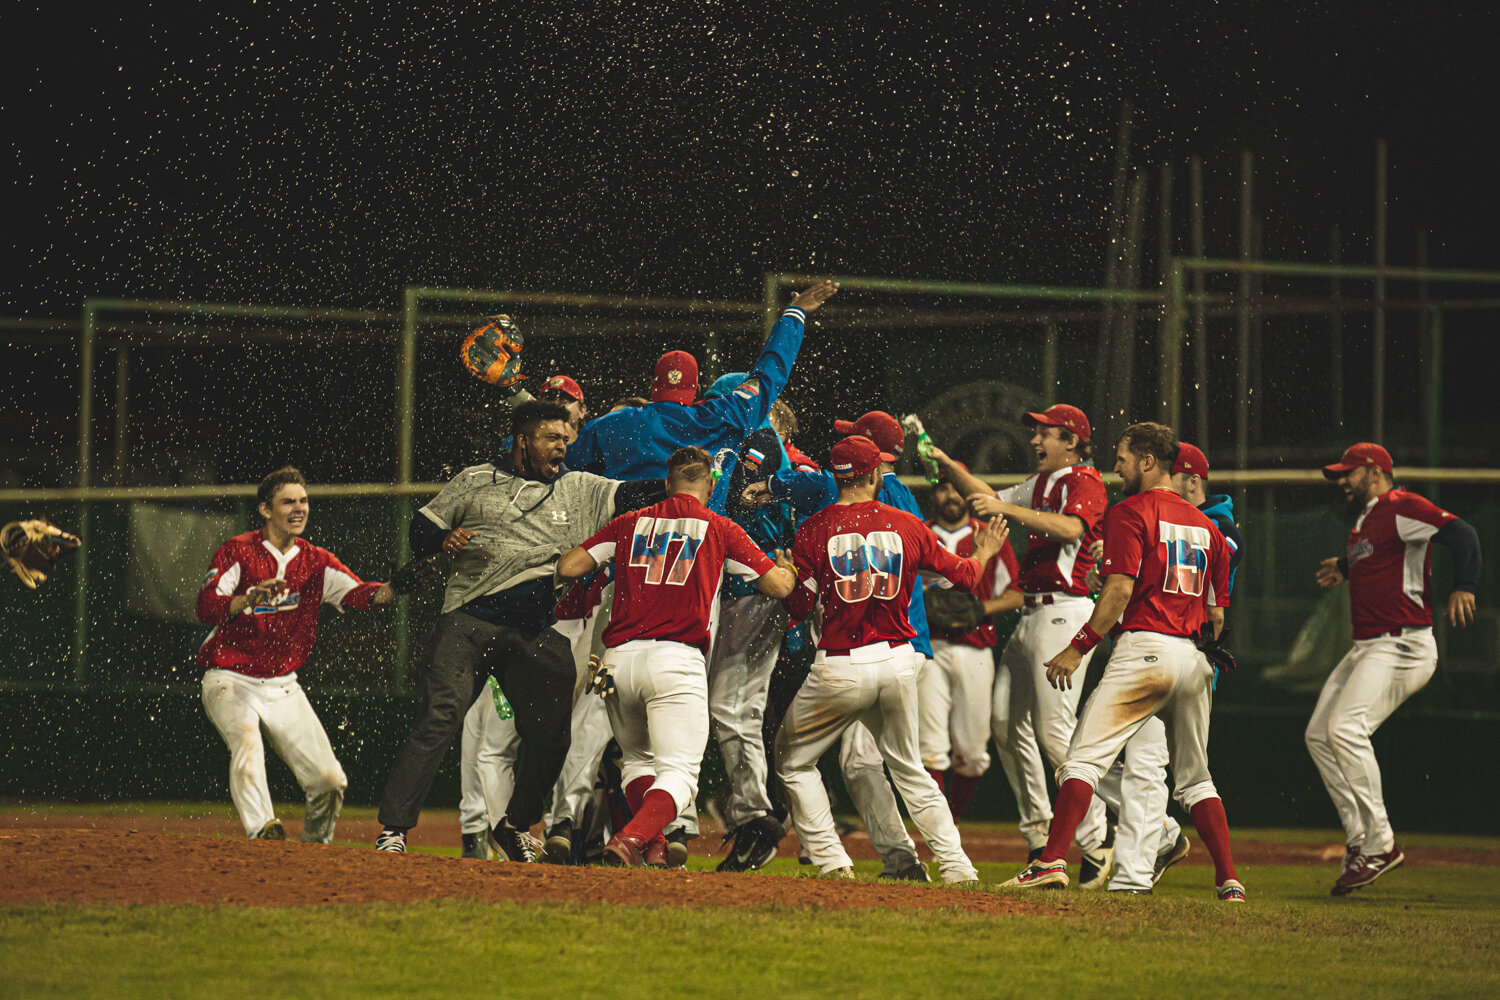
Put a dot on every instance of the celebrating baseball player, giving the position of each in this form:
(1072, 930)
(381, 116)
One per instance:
(658, 635)
(859, 560)
(1388, 564)
(1061, 505)
(262, 597)
(1166, 579)
(954, 690)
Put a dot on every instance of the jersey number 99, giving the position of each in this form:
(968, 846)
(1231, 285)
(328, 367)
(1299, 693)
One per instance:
(866, 565)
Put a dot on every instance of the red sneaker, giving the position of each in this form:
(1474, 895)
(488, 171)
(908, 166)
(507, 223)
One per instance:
(623, 852)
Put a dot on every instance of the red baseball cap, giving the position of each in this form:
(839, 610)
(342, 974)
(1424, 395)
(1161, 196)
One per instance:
(854, 456)
(1190, 459)
(880, 427)
(1061, 415)
(1357, 455)
(676, 378)
(564, 385)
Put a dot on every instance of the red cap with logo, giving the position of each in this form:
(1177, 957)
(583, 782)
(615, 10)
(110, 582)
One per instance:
(1061, 415)
(564, 385)
(1190, 459)
(676, 378)
(1357, 455)
(854, 456)
(880, 427)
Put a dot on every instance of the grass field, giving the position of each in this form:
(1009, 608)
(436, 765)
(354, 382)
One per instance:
(1421, 932)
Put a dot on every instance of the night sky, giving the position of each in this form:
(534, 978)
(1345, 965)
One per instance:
(330, 154)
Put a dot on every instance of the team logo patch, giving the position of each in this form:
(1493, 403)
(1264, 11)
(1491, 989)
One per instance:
(1361, 549)
(674, 376)
(1150, 659)
(555, 382)
(754, 456)
(559, 517)
(748, 390)
(285, 601)
(213, 575)
(1058, 621)
(843, 467)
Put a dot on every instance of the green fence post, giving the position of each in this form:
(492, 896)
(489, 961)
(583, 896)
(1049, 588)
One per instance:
(1173, 321)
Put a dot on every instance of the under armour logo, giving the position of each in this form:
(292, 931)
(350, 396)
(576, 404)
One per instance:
(559, 517)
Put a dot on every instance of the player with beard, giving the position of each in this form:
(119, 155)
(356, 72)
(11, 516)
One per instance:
(505, 524)
(1166, 579)
(1388, 563)
(955, 687)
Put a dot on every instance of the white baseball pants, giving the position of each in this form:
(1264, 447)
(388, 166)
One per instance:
(1370, 682)
(1039, 712)
(954, 690)
(241, 708)
(739, 679)
(1136, 789)
(864, 778)
(1021, 760)
(875, 685)
(487, 765)
(1149, 674)
(659, 714)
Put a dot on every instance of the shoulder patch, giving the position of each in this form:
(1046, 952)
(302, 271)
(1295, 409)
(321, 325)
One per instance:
(749, 389)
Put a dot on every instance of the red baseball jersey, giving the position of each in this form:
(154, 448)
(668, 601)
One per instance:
(274, 638)
(677, 551)
(1178, 558)
(860, 562)
(585, 595)
(999, 574)
(1060, 567)
(1390, 563)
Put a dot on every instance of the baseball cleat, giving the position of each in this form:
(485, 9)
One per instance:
(1131, 892)
(1094, 872)
(476, 846)
(559, 845)
(622, 852)
(1351, 858)
(391, 841)
(677, 852)
(914, 872)
(515, 845)
(1166, 859)
(755, 845)
(842, 874)
(655, 852)
(271, 831)
(1230, 892)
(1040, 875)
(1367, 869)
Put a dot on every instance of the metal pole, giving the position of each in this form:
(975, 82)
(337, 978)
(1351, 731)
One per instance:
(122, 413)
(1257, 337)
(1171, 348)
(1170, 373)
(1424, 332)
(406, 367)
(1336, 332)
(1377, 377)
(1200, 321)
(1242, 320)
(1123, 376)
(1049, 360)
(85, 470)
(1112, 256)
(1435, 388)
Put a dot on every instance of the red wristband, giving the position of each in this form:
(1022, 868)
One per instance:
(1086, 639)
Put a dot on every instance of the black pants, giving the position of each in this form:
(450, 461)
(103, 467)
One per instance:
(536, 672)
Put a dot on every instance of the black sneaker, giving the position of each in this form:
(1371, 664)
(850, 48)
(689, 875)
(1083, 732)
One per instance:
(1094, 872)
(914, 872)
(391, 841)
(515, 845)
(755, 845)
(677, 852)
(272, 831)
(475, 846)
(559, 845)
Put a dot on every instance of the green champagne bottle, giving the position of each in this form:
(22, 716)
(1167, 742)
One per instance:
(502, 704)
(913, 425)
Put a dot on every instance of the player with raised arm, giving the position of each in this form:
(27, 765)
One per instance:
(1062, 505)
(860, 559)
(954, 691)
(670, 559)
(262, 597)
(1166, 579)
(1388, 563)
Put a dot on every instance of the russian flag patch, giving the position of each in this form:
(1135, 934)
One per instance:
(748, 390)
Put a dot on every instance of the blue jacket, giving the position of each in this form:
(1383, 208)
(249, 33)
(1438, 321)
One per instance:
(810, 492)
(635, 444)
(1220, 510)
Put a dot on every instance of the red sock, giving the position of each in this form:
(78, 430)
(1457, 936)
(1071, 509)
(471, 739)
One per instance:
(656, 811)
(1073, 800)
(1213, 826)
(959, 791)
(635, 792)
(938, 777)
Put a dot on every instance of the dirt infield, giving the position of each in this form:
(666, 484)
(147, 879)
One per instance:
(58, 857)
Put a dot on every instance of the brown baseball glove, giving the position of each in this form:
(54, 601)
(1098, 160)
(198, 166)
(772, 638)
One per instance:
(32, 548)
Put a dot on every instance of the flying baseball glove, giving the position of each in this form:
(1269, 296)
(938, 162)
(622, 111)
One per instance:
(32, 548)
(952, 610)
(492, 353)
